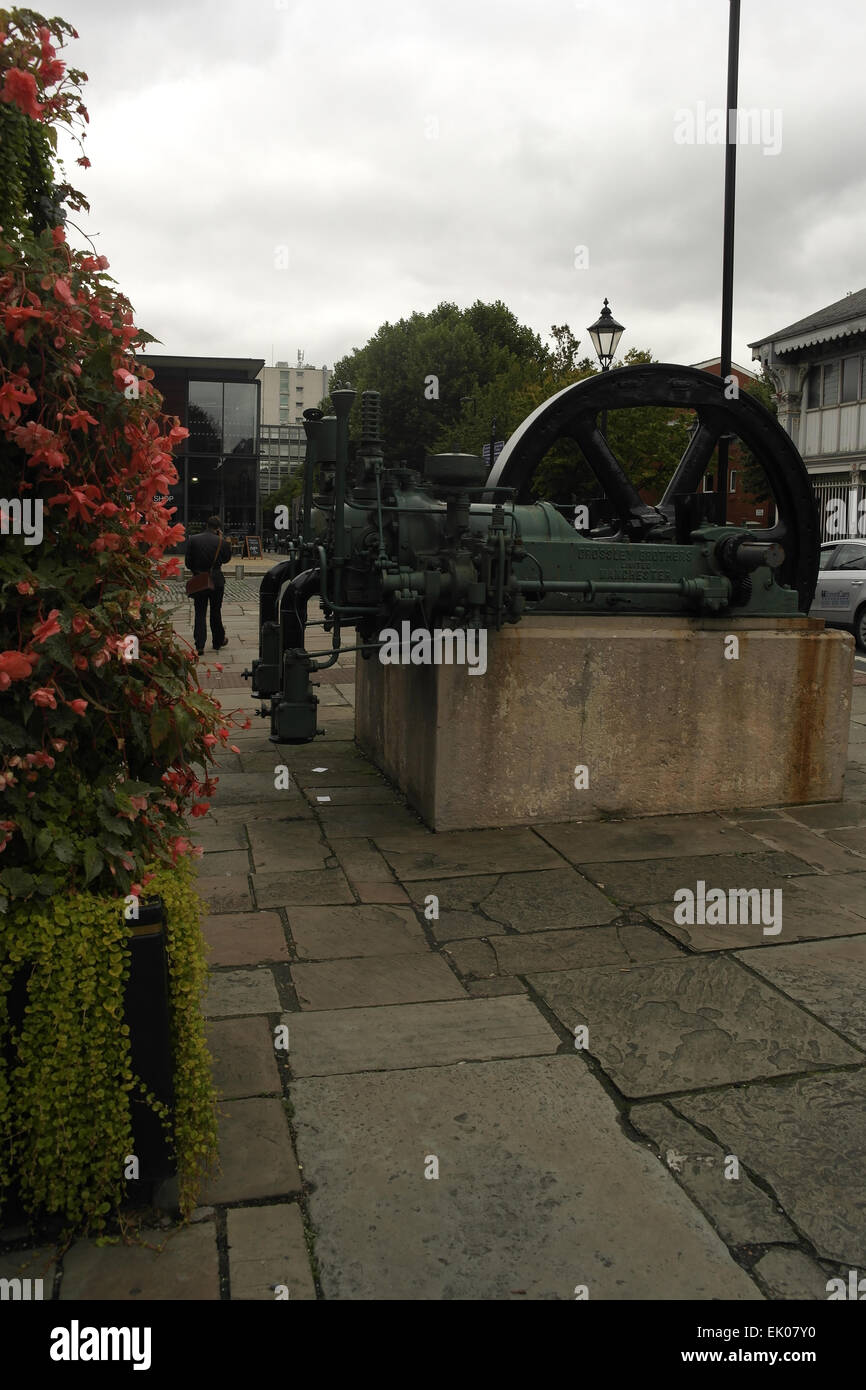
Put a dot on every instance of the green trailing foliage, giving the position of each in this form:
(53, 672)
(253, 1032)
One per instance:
(66, 1100)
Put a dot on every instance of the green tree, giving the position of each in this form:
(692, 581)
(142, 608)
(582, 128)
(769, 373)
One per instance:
(283, 497)
(427, 365)
(755, 483)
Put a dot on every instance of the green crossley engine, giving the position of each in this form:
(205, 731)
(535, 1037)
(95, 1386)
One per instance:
(461, 546)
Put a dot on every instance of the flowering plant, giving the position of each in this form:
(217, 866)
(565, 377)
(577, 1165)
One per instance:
(102, 717)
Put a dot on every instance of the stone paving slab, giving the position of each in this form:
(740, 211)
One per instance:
(560, 950)
(231, 993)
(225, 894)
(358, 858)
(245, 938)
(320, 933)
(244, 1061)
(492, 988)
(537, 1192)
(789, 1274)
(829, 977)
(739, 1210)
(288, 889)
(33, 1264)
(227, 863)
(213, 837)
(240, 788)
(687, 1024)
(812, 907)
(187, 1268)
(455, 900)
(549, 899)
(647, 837)
(266, 1248)
(256, 1153)
(416, 1035)
(328, 695)
(369, 980)
(376, 891)
(416, 854)
(815, 850)
(367, 793)
(854, 838)
(656, 880)
(341, 822)
(287, 847)
(254, 813)
(807, 1140)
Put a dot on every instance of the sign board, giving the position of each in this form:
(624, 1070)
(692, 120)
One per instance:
(497, 450)
(253, 547)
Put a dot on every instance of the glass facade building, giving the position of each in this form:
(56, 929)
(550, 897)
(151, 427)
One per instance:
(281, 453)
(218, 400)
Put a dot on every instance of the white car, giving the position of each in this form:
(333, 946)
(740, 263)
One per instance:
(840, 595)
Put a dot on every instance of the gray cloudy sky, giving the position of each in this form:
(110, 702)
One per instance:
(404, 153)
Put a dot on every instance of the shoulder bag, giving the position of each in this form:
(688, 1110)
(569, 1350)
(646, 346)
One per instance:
(201, 582)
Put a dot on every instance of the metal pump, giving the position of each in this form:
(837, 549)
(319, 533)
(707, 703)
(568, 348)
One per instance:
(460, 546)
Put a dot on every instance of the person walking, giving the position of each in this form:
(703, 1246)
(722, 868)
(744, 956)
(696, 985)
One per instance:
(207, 553)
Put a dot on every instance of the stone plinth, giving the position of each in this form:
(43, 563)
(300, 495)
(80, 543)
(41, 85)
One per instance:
(653, 710)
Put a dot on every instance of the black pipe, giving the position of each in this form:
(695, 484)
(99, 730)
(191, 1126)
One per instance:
(342, 401)
(269, 590)
(293, 608)
(312, 430)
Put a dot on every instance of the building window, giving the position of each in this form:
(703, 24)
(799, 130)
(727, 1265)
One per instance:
(851, 379)
(205, 417)
(708, 482)
(239, 428)
(733, 480)
(813, 388)
(830, 392)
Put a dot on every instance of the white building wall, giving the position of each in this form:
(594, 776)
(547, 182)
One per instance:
(288, 391)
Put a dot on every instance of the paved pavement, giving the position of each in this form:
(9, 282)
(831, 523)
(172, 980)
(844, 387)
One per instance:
(491, 1065)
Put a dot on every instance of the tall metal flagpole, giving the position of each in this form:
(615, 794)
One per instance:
(728, 243)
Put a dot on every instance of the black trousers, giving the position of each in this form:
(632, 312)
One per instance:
(213, 599)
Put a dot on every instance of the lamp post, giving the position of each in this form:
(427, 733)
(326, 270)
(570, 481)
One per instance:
(467, 400)
(605, 334)
(728, 243)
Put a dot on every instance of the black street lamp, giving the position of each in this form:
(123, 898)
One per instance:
(728, 244)
(605, 334)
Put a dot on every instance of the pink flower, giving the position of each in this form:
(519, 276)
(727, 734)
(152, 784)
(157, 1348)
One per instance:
(20, 87)
(77, 706)
(44, 698)
(48, 628)
(16, 666)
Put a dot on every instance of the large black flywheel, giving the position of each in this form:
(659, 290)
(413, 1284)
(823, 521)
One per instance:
(573, 414)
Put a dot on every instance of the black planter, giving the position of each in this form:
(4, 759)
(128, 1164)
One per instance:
(146, 1012)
